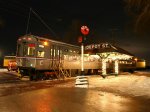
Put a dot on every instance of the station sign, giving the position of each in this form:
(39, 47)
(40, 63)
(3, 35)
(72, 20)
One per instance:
(98, 46)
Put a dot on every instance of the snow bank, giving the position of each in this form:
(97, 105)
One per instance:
(128, 84)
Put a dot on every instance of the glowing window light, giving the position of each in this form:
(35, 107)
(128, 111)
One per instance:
(116, 67)
(45, 43)
(135, 59)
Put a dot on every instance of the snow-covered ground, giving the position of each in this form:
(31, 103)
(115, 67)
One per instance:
(131, 84)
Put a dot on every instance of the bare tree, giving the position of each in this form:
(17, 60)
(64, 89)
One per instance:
(140, 11)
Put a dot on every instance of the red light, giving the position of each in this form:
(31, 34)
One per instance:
(80, 39)
(84, 30)
(31, 45)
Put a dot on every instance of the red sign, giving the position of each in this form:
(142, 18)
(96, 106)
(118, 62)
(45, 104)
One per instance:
(84, 30)
(31, 45)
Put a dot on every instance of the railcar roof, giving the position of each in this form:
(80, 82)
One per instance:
(55, 41)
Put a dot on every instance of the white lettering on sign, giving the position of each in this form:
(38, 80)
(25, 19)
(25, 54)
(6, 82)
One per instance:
(98, 46)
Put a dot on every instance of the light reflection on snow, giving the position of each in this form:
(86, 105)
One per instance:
(110, 102)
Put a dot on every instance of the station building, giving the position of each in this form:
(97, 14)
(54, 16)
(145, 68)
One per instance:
(113, 58)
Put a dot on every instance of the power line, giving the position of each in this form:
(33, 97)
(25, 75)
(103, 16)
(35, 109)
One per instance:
(18, 8)
(42, 21)
(28, 21)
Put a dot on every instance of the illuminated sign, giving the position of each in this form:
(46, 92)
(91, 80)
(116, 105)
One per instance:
(98, 46)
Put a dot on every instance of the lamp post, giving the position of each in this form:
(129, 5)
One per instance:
(84, 31)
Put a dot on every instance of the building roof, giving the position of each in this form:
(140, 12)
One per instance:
(104, 48)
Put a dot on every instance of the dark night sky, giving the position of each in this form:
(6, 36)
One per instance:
(65, 17)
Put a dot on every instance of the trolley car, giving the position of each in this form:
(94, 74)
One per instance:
(40, 57)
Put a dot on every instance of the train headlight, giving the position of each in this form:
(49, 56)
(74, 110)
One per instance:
(45, 43)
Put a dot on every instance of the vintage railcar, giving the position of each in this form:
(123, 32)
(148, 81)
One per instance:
(40, 57)
(37, 55)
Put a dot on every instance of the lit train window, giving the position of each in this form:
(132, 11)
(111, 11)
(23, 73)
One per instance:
(41, 53)
(51, 52)
(54, 53)
(60, 54)
(31, 49)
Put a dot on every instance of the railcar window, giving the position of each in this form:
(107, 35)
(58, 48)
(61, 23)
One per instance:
(41, 53)
(28, 49)
(18, 49)
(24, 49)
(58, 53)
(31, 51)
(54, 53)
(51, 53)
